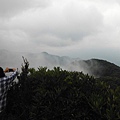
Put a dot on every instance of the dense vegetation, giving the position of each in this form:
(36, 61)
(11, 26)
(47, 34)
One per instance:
(99, 68)
(62, 95)
(105, 68)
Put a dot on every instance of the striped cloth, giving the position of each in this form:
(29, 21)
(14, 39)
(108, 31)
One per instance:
(5, 83)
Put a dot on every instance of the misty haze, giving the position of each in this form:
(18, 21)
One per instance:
(14, 59)
(93, 67)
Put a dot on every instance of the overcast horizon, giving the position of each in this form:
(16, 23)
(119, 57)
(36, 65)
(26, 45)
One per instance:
(76, 28)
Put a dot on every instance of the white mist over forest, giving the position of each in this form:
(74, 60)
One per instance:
(14, 59)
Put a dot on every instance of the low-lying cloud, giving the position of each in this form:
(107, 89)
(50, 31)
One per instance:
(14, 60)
(74, 28)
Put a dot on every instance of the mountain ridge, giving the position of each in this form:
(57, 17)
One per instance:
(93, 66)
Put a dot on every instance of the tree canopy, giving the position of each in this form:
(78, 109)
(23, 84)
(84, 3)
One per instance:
(58, 94)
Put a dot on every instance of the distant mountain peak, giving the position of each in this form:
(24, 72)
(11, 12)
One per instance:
(96, 67)
(45, 53)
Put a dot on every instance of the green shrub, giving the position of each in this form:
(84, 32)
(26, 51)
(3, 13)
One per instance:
(61, 95)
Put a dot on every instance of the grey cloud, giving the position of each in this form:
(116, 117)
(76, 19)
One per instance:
(73, 23)
(9, 8)
(118, 1)
(13, 40)
(52, 41)
(61, 27)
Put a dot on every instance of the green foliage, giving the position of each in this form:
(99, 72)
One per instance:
(102, 68)
(58, 94)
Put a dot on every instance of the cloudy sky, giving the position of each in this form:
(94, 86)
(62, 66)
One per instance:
(76, 28)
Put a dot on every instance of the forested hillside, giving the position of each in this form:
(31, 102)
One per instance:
(100, 68)
(58, 94)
